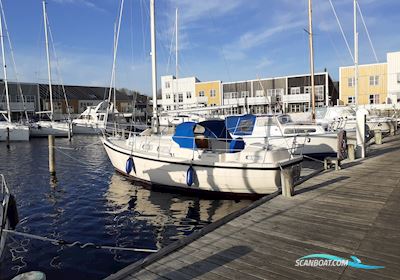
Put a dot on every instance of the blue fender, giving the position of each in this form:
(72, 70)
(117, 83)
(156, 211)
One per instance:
(190, 176)
(130, 165)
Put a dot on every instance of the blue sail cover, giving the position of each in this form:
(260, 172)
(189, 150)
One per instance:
(241, 125)
(184, 132)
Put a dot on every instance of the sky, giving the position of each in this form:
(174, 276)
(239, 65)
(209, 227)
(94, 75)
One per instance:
(228, 40)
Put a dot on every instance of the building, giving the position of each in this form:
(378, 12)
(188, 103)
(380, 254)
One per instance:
(179, 93)
(298, 95)
(372, 84)
(209, 93)
(288, 94)
(393, 79)
(37, 98)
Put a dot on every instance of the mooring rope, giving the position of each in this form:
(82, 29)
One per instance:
(79, 244)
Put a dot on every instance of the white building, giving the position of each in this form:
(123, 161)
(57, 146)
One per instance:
(393, 79)
(178, 93)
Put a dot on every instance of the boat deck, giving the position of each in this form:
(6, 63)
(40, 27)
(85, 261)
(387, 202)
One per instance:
(351, 212)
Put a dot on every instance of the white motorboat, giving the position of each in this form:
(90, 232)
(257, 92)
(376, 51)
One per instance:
(279, 130)
(344, 117)
(195, 159)
(92, 120)
(198, 156)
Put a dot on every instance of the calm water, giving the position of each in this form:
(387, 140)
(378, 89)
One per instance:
(90, 203)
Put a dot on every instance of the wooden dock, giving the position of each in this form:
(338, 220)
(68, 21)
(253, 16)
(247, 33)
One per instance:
(351, 212)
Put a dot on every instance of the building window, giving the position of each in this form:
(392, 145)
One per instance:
(180, 97)
(350, 82)
(244, 94)
(398, 78)
(374, 80)
(212, 93)
(259, 93)
(188, 94)
(201, 93)
(227, 95)
(167, 96)
(29, 98)
(374, 99)
(319, 92)
(168, 107)
(351, 100)
(235, 95)
(167, 84)
(295, 90)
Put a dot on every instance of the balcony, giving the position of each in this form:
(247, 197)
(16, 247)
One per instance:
(249, 101)
(18, 106)
(296, 98)
(201, 99)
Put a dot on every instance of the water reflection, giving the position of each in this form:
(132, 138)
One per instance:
(89, 202)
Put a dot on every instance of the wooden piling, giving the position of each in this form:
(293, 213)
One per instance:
(52, 161)
(378, 136)
(287, 182)
(69, 131)
(8, 138)
(351, 152)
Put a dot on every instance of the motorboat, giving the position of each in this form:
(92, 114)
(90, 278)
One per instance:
(304, 138)
(92, 120)
(201, 157)
(344, 117)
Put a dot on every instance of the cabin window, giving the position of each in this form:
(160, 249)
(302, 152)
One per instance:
(374, 80)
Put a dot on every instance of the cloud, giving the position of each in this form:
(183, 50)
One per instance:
(88, 3)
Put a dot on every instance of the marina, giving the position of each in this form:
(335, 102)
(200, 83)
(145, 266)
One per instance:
(135, 170)
(343, 213)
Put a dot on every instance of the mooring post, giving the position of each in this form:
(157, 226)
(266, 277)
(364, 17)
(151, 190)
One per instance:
(287, 182)
(351, 152)
(8, 137)
(378, 136)
(52, 161)
(392, 129)
(69, 131)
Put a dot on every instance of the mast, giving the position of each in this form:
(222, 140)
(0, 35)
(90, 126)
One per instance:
(48, 59)
(5, 69)
(310, 36)
(355, 54)
(153, 66)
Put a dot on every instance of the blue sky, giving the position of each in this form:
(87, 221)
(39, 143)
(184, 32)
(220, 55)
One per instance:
(219, 40)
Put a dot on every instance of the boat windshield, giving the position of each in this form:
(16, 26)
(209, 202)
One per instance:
(284, 119)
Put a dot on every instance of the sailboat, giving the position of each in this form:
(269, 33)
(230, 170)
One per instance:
(49, 127)
(198, 157)
(9, 131)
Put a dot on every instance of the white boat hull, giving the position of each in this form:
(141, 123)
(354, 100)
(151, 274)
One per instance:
(45, 128)
(80, 128)
(17, 132)
(213, 177)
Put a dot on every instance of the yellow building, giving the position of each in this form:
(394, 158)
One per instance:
(209, 93)
(372, 84)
